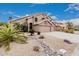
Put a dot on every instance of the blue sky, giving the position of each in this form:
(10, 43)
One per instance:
(58, 11)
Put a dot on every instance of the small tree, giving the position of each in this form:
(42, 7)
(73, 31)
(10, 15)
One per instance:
(31, 32)
(69, 25)
(10, 18)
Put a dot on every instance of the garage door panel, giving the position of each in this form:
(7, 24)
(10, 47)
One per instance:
(44, 29)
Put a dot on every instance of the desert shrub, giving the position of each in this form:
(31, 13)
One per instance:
(31, 32)
(76, 27)
(55, 53)
(21, 27)
(36, 48)
(41, 37)
(38, 33)
(24, 28)
(69, 30)
(67, 41)
(18, 27)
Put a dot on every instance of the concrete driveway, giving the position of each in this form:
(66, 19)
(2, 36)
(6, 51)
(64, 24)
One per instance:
(71, 37)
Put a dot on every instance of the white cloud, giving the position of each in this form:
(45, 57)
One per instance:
(54, 17)
(16, 15)
(39, 3)
(6, 12)
(34, 4)
(48, 13)
(73, 6)
(10, 13)
(13, 14)
(75, 21)
(62, 21)
(27, 15)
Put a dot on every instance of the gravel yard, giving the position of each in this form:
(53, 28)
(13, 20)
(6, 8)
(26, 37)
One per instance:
(52, 42)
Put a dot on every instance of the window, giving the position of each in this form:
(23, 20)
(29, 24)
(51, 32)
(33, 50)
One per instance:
(36, 19)
(43, 18)
(26, 19)
(32, 16)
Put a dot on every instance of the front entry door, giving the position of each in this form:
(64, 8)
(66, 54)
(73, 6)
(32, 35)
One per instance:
(30, 26)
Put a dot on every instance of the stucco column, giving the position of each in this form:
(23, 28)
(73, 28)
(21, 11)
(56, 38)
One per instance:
(28, 26)
(50, 28)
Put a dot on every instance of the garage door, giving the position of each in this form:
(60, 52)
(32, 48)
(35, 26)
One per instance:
(44, 29)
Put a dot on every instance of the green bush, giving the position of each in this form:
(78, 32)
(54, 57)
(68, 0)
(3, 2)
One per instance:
(36, 48)
(38, 33)
(31, 32)
(22, 28)
(76, 28)
(69, 30)
(41, 37)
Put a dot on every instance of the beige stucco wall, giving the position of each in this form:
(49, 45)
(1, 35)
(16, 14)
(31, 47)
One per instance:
(39, 17)
(52, 28)
(43, 28)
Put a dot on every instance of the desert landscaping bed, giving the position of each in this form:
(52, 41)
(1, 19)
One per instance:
(57, 44)
(53, 43)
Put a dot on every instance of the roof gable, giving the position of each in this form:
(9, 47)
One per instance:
(43, 23)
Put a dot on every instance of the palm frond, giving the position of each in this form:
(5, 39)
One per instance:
(9, 34)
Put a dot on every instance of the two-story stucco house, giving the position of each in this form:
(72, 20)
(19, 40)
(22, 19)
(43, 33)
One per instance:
(38, 22)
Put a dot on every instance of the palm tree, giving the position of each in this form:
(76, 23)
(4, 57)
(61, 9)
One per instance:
(9, 34)
(10, 18)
